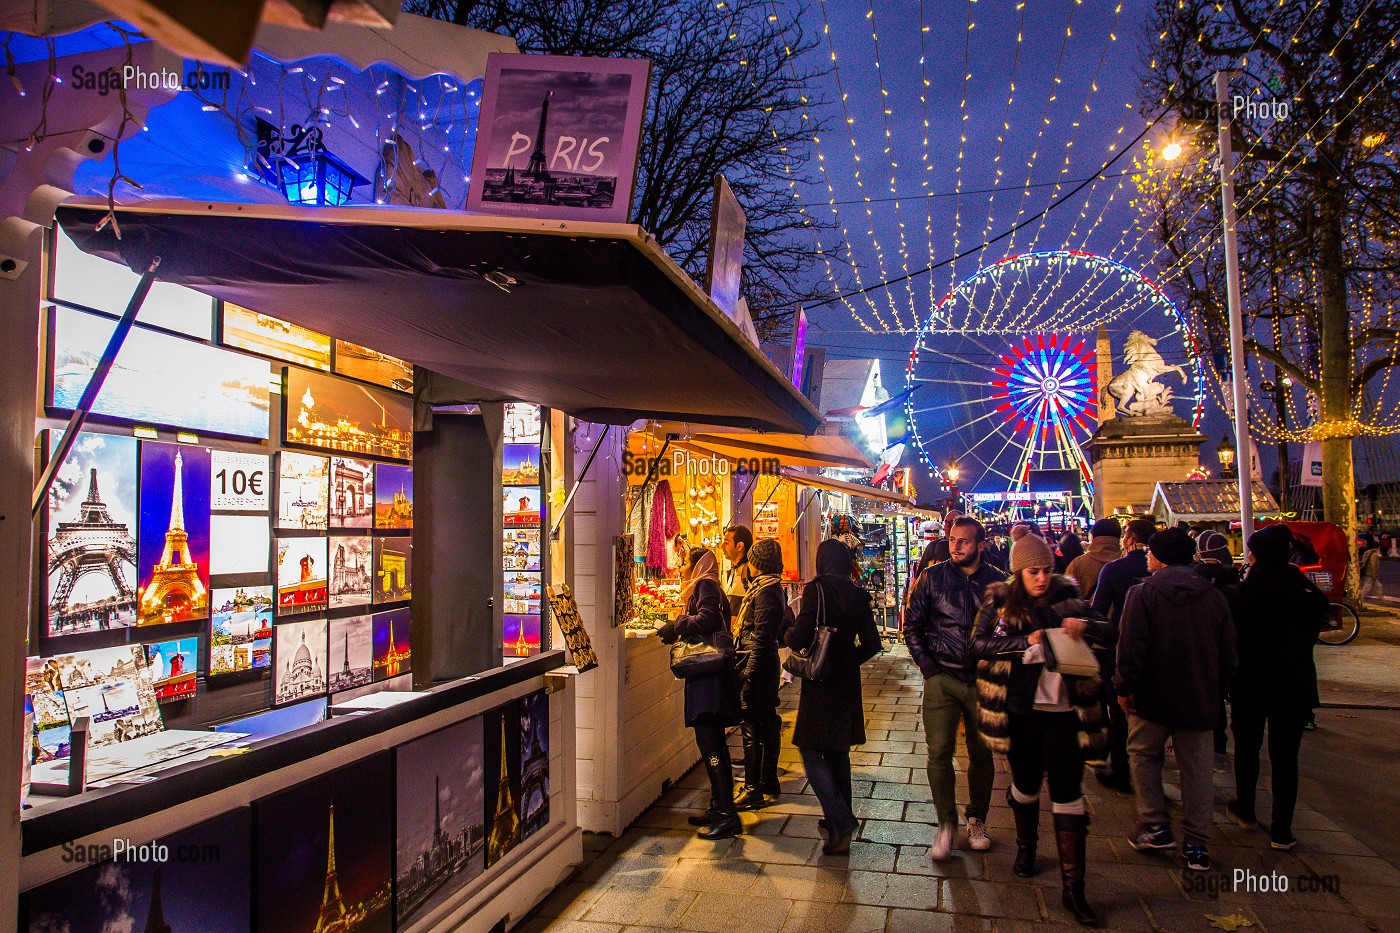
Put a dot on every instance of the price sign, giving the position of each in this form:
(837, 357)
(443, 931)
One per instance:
(239, 482)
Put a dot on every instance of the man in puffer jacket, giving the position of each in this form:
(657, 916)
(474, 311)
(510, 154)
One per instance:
(1176, 654)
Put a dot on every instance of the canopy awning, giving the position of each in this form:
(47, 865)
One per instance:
(815, 450)
(817, 481)
(594, 319)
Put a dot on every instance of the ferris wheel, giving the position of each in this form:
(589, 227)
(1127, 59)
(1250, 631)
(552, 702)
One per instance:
(1003, 378)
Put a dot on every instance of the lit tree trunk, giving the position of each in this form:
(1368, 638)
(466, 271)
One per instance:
(1338, 474)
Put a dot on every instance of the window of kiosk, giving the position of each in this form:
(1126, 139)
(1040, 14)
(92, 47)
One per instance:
(676, 500)
(227, 550)
(775, 516)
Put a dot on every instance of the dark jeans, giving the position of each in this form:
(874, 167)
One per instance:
(1046, 744)
(829, 773)
(1285, 740)
(762, 727)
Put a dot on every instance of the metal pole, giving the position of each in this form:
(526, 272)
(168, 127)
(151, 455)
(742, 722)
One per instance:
(1244, 455)
(93, 388)
(554, 534)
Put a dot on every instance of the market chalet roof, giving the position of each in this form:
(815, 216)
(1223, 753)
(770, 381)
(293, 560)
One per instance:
(1210, 499)
(594, 319)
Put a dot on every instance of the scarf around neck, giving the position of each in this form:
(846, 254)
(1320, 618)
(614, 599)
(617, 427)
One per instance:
(757, 585)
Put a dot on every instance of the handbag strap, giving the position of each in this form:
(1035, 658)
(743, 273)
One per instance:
(821, 605)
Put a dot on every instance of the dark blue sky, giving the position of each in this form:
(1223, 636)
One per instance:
(1024, 100)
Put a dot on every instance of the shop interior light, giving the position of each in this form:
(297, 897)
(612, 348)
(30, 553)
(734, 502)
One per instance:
(300, 166)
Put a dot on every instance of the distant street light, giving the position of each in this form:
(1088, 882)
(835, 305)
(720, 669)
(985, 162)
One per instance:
(1225, 453)
(1171, 151)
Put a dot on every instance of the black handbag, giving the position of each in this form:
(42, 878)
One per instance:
(814, 661)
(713, 655)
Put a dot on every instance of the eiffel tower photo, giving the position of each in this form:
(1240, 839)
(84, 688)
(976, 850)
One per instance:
(175, 591)
(332, 918)
(94, 544)
(505, 824)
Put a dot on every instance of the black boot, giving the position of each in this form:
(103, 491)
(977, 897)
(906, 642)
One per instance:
(768, 773)
(1027, 834)
(1071, 834)
(751, 798)
(722, 818)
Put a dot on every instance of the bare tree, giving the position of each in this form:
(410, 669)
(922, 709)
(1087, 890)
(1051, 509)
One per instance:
(730, 94)
(1318, 189)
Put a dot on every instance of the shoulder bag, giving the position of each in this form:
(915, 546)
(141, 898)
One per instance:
(814, 661)
(712, 655)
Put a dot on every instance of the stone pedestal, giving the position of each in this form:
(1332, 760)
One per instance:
(1131, 455)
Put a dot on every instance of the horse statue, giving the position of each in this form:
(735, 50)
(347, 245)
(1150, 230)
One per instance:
(1135, 391)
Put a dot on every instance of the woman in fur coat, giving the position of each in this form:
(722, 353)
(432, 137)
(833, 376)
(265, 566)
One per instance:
(1046, 723)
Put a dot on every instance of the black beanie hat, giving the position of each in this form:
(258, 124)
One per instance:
(1106, 528)
(1172, 546)
(1271, 544)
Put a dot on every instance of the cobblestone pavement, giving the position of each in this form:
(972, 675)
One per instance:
(658, 876)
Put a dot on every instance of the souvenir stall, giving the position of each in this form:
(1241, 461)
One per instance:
(632, 743)
(289, 520)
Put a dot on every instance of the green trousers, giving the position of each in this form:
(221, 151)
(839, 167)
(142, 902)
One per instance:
(947, 700)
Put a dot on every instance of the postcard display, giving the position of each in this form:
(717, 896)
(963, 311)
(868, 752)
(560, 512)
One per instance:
(522, 518)
(261, 547)
(461, 800)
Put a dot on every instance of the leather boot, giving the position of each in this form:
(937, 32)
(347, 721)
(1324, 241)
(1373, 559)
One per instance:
(1027, 834)
(768, 773)
(1071, 834)
(751, 798)
(723, 819)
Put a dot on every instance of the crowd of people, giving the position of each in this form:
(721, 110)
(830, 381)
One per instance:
(1062, 657)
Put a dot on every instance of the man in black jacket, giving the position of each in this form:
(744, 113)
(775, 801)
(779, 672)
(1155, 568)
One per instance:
(937, 627)
(1176, 654)
(1115, 579)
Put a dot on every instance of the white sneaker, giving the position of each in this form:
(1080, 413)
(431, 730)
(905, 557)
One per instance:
(943, 842)
(977, 838)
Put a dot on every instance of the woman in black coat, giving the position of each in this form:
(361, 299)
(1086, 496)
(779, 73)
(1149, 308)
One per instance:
(1045, 722)
(756, 644)
(712, 701)
(1278, 613)
(830, 711)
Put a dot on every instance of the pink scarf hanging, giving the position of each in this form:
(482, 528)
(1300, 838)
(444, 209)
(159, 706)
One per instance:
(663, 526)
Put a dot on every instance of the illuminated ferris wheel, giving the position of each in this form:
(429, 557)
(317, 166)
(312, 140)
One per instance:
(1004, 379)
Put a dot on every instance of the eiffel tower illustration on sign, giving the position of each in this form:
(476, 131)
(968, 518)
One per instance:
(95, 543)
(505, 825)
(332, 917)
(175, 587)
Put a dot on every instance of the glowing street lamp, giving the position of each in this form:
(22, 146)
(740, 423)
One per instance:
(302, 168)
(1171, 151)
(1225, 453)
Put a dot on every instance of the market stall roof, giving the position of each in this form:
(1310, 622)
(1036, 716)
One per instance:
(594, 319)
(818, 481)
(1206, 500)
(815, 450)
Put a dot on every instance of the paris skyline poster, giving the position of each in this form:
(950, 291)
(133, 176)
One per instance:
(299, 662)
(173, 543)
(558, 137)
(84, 594)
(351, 652)
(534, 763)
(441, 827)
(341, 822)
(501, 780)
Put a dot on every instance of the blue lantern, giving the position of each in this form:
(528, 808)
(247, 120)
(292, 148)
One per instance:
(300, 166)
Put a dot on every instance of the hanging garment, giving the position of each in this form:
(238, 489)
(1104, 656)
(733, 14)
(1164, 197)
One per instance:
(664, 525)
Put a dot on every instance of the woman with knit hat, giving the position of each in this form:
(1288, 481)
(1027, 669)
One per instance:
(756, 644)
(1045, 722)
(1278, 612)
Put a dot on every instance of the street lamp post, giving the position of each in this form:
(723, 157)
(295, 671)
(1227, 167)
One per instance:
(951, 474)
(1225, 453)
(1232, 276)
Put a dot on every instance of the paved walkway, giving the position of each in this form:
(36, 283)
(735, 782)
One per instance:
(658, 876)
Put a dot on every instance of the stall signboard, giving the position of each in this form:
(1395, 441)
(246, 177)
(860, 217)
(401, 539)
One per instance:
(558, 137)
(725, 265)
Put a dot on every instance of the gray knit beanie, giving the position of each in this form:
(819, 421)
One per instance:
(766, 556)
(1031, 551)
